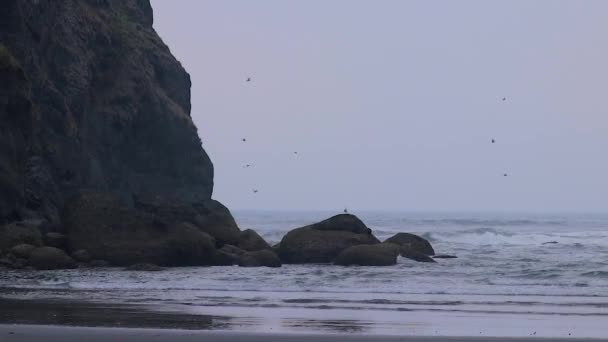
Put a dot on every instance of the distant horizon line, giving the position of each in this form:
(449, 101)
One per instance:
(428, 211)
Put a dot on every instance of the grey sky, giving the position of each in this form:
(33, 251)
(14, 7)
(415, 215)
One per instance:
(392, 104)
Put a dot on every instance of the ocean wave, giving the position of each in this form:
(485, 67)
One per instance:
(492, 236)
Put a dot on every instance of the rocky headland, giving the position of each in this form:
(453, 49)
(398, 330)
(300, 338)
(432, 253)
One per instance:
(101, 164)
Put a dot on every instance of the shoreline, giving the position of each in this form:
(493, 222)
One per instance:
(53, 333)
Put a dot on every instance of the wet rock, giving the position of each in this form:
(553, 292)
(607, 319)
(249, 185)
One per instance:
(323, 241)
(384, 254)
(23, 250)
(550, 243)
(444, 256)
(250, 240)
(144, 267)
(228, 255)
(81, 255)
(216, 220)
(262, 258)
(413, 243)
(19, 233)
(56, 240)
(416, 256)
(108, 230)
(50, 258)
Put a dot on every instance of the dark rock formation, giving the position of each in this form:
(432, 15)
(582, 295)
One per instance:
(416, 256)
(343, 222)
(23, 250)
(261, 258)
(50, 258)
(411, 242)
(98, 263)
(81, 255)
(91, 98)
(53, 239)
(323, 241)
(250, 240)
(228, 255)
(383, 254)
(106, 229)
(18, 233)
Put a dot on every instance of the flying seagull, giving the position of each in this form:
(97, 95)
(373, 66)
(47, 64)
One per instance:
(345, 211)
(504, 99)
(255, 191)
(247, 165)
(295, 152)
(244, 139)
(493, 141)
(248, 79)
(504, 175)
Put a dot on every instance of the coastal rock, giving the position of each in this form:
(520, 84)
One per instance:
(23, 250)
(91, 98)
(144, 268)
(250, 240)
(416, 256)
(98, 263)
(228, 255)
(323, 241)
(261, 258)
(19, 233)
(344, 223)
(383, 254)
(411, 242)
(81, 255)
(108, 230)
(53, 239)
(50, 258)
(444, 256)
(216, 220)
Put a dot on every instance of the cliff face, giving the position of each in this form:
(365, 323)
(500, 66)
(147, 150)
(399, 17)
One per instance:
(91, 98)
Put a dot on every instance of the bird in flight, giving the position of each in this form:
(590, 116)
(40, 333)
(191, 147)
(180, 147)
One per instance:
(493, 141)
(345, 211)
(247, 165)
(248, 79)
(295, 152)
(504, 175)
(244, 139)
(504, 99)
(255, 191)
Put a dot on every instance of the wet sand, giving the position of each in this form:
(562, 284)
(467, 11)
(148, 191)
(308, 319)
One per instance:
(29, 333)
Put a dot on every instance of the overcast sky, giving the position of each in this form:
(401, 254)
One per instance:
(393, 104)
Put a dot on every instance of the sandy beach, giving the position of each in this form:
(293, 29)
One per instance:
(29, 333)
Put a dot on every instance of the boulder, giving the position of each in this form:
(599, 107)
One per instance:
(54, 239)
(144, 267)
(18, 233)
(323, 241)
(81, 255)
(412, 243)
(250, 240)
(216, 220)
(260, 258)
(50, 258)
(344, 223)
(108, 230)
(23, 250)
(416, 256)
(13, 262)
(383, 254)
(228, 255)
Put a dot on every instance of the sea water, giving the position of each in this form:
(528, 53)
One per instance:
(514, 275)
